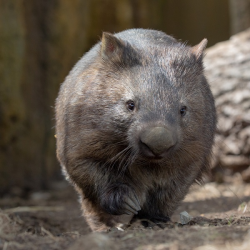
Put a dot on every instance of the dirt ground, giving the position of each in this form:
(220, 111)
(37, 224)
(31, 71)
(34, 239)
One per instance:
(52, 220)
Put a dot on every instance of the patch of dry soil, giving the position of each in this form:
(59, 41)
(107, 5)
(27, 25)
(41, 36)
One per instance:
(52, 220)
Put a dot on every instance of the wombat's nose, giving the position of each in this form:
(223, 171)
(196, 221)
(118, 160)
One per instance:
(157, 139)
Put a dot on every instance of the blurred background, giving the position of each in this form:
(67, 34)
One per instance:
(40, 41)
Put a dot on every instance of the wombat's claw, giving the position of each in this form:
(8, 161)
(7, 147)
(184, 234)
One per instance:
(135, 201)
(131, 206)
(128, 210)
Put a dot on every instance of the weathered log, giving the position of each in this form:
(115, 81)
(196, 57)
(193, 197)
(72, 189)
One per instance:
(228, 71)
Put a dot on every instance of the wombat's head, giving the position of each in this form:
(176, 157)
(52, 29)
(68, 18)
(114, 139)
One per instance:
(153, 103)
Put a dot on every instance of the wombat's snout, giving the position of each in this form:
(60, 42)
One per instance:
(156, 141)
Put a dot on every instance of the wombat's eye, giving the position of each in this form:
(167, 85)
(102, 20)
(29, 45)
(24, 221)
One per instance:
(130, 105)
(183, 110)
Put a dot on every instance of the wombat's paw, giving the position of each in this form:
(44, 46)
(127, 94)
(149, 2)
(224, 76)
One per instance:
(120, 199)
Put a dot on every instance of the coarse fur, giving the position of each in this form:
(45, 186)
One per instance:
(99, 139)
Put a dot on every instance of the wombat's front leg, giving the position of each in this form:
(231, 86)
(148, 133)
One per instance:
(115, 206)
(105, 199)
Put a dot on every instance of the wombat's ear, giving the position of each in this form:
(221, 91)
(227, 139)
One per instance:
(199, 48)
(111, 47)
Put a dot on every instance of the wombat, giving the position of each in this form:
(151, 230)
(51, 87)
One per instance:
(135, 122)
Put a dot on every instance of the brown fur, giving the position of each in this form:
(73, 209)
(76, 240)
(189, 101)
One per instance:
(99, 141)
